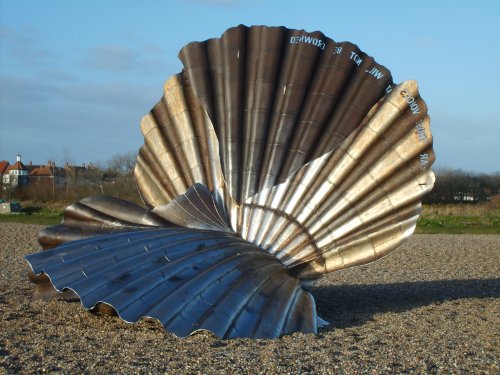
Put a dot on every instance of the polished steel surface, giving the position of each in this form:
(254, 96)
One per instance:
(187, 279)
(274, 157)
(374, 181)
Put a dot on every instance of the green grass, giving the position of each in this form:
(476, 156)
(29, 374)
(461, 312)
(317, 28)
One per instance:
(453, 224)
(34, 215)
(477, 223)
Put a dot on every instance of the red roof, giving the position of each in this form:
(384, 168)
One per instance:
(41, 171)
(17, 166)
(3, 166)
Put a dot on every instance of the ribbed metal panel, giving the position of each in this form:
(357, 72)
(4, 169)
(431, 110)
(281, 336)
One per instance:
(279, 98)
(187, 279)
(376, 177)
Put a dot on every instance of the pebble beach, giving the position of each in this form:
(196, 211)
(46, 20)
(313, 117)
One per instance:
(432, 306)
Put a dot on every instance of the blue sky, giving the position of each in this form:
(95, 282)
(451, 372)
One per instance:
(77, 76)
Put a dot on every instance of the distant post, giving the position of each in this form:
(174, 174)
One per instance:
(53, 180)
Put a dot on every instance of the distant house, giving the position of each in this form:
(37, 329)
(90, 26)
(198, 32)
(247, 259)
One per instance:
(465, 197)
(46, 175)
(14, 176)
(20, 175)
(77, 174)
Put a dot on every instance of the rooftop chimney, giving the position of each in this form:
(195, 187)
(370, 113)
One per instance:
(18, 157)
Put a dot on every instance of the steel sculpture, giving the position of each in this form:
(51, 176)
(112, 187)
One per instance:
(274, 157)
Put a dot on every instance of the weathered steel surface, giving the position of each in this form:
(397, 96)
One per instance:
(274, 157)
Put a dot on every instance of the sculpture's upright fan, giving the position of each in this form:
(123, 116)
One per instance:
(274, 157)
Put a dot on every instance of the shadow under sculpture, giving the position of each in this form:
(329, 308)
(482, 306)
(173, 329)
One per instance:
(274, 157)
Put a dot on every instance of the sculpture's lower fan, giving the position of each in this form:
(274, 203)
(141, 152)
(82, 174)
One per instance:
(274, 157)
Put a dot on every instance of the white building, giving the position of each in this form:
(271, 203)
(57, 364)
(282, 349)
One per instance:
(15, 175)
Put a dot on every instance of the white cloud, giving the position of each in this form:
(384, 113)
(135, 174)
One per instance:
(111, 57)
(22, 46)
(121, 59)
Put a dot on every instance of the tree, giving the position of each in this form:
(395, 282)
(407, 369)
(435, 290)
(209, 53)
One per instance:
(457, 186)
(122, 164)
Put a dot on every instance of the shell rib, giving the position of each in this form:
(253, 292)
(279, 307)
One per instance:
(274, 157)
(373, 182)
(279, 98)
(255, 105)
(180, 147)
(187, 279)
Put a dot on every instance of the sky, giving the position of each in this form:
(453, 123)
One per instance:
(77, 76)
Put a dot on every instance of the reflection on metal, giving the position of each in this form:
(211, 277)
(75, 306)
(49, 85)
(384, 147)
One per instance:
(274, 157)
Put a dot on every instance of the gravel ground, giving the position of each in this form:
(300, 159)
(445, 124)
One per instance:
(430, 307)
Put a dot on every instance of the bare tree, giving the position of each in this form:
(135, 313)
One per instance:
(122, 164)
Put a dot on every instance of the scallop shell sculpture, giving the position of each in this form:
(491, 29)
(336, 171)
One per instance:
(274, 157)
